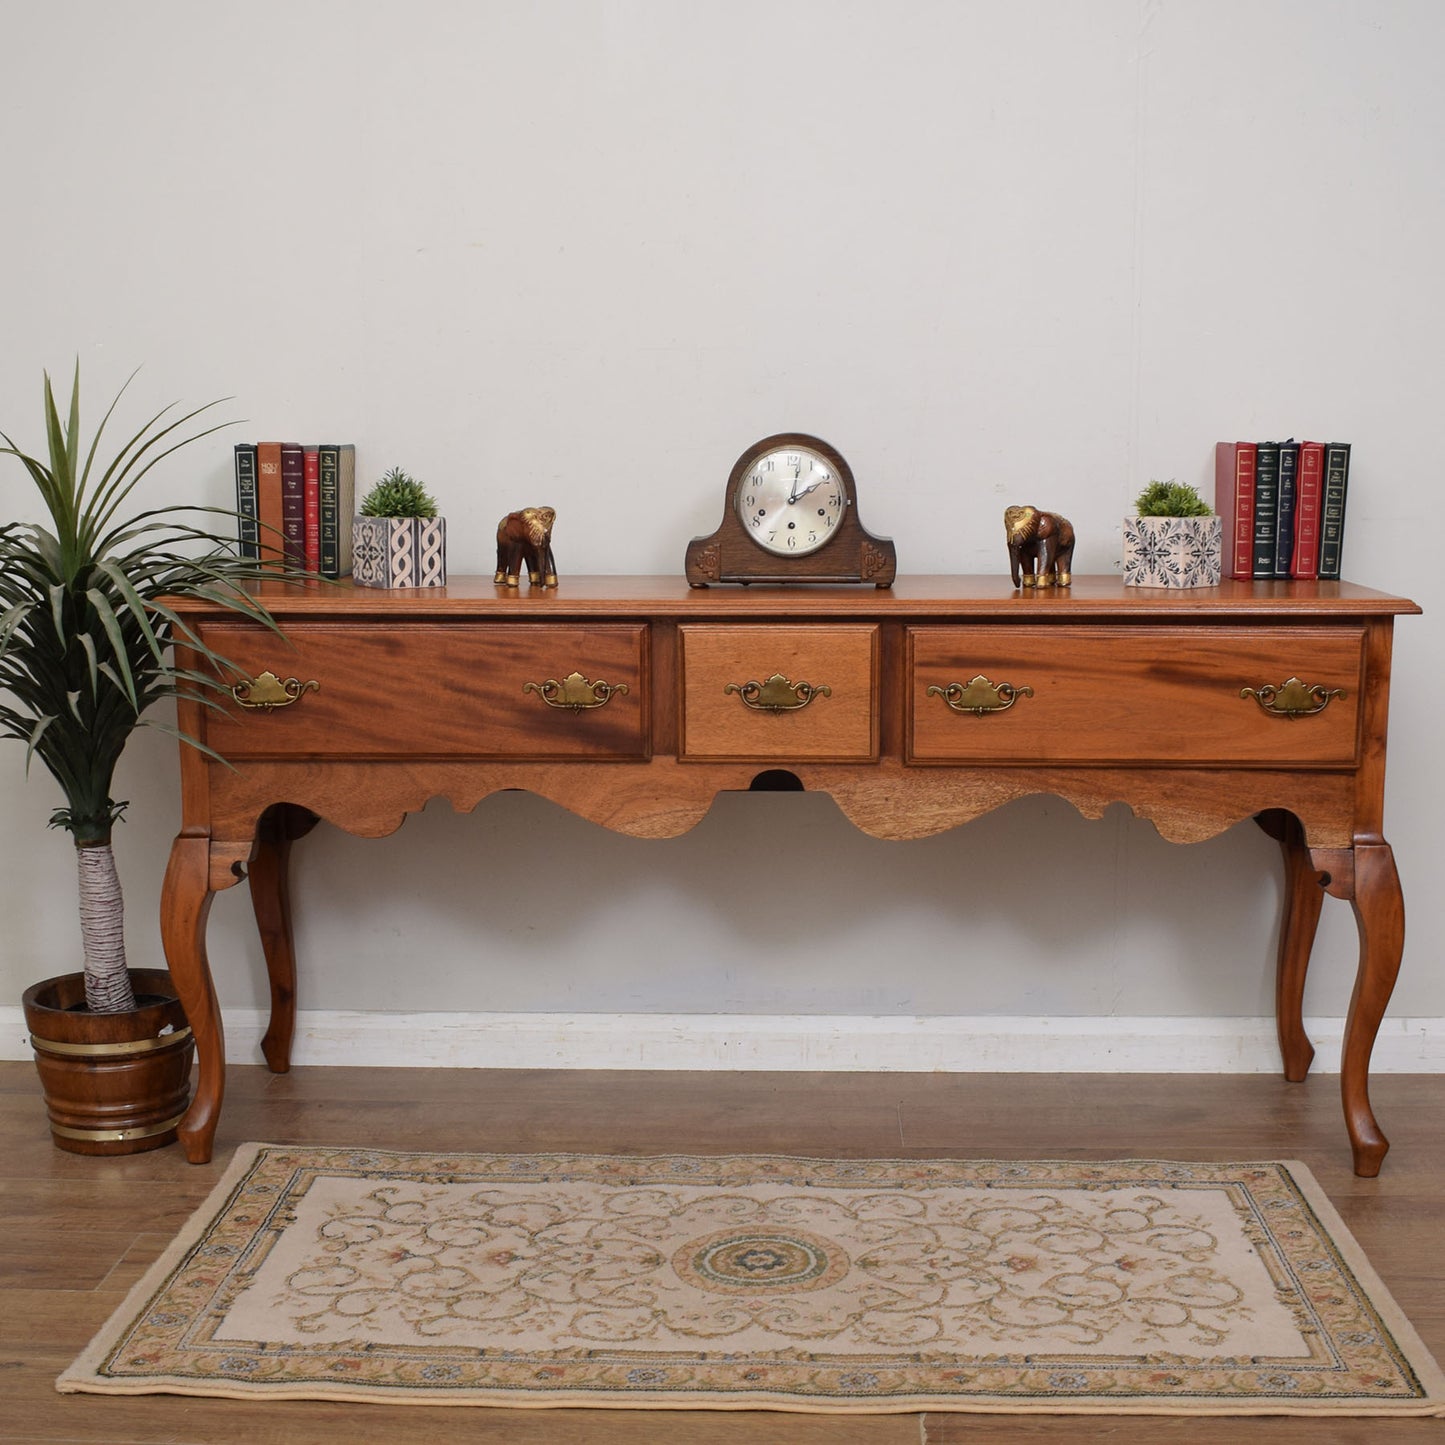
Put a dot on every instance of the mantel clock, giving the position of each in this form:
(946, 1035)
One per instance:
(790, 514)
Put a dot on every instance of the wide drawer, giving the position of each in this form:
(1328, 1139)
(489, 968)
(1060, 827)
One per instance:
(442, 690)
(1134, 694)
(780, 693)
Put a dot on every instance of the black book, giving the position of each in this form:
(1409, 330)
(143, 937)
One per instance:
(247, 503)
(1266, 508)
(329, 463)
(1332, 509)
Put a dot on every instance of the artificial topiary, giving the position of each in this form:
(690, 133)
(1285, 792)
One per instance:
(1171, 499)
(398, 495)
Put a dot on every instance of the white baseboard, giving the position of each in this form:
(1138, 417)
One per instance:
(823, 1042)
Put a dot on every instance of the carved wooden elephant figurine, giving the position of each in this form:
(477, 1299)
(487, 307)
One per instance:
(1040, 545)
(525, 537)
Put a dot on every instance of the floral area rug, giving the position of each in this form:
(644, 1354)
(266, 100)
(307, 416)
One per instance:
(767, 1283)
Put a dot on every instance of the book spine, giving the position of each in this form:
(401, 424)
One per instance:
(1225, 454)
(268, 502)
(248, 518)
(1306, 565)
(311, 509)
(345, 507)
(1332, 509)
(328, 470)
(1285, 510)
(1234, 501)
(293, 503)
(1266, 507)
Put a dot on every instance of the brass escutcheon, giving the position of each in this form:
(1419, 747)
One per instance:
(267, 692)
(980, 695)
(777, 694)
(1293, 698)
(574, 692)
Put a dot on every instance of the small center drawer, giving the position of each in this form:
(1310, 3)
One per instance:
(456, 690)
(1122, 695)
(744, 691)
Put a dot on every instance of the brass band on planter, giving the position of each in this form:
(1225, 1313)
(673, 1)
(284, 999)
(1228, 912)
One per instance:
(121, 1049)
(267, 692)
(115, 1136)
(777, 694)
(574, 692)
(1293, 698)
(980, 695)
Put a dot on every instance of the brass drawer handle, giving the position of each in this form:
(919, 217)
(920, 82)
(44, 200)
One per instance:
(267, 692)
(574, 692)
(980, 695)
(1292, 699)
(777, 694)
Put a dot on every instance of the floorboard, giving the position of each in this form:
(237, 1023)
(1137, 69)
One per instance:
(75, 1233)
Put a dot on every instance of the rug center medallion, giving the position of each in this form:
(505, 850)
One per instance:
(750, 1261)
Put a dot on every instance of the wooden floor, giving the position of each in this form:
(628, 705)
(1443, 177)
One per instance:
(75, 1233)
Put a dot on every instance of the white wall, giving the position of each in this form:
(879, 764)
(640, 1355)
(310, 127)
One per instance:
(584, 253)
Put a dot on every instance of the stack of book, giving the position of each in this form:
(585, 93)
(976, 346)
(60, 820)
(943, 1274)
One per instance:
(295, 504)
(1283, 505)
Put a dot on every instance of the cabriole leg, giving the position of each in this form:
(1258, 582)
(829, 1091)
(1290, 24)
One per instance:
(185, 906)
(1380, 914)
(1304, 896)
(269, 875)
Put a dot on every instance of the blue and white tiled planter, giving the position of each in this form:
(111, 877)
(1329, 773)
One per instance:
(399, 551)
(1173, 551)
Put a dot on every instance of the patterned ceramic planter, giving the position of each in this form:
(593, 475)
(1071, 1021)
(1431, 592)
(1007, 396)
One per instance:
(399, 551)
(1173, 551)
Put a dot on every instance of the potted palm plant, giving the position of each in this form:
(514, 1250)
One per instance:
(85, 638)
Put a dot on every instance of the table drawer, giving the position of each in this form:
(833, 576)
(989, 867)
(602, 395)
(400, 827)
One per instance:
(743, 693)
(1121, 695)
(462, 690)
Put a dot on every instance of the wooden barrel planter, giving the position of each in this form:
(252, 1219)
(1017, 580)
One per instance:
(114, 1083)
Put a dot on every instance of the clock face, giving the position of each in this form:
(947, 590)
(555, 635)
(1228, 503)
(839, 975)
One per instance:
(790, 501)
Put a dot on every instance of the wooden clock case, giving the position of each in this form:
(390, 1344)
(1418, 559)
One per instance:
(852, 554)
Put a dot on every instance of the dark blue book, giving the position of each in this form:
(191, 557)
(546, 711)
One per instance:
(1285, 510)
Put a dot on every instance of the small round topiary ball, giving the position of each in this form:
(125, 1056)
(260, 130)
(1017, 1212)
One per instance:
(1171, 499)
(398, 495)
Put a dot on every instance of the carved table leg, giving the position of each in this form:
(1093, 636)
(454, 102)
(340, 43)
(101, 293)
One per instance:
(1304, 896)
(271, 900)
(1380, 914)
(185, 905)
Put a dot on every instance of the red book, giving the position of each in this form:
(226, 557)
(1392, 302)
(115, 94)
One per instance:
(268, 502)
(1309, 489)
(311, 508)
(1234, 466)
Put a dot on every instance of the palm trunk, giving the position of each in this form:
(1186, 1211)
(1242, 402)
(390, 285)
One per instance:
(102, 930)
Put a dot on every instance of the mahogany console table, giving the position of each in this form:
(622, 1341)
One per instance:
(633, 701)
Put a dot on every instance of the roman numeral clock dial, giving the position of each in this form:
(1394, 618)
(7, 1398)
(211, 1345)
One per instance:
(790, 514)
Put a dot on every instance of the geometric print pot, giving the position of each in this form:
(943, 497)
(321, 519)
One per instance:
(399, 551)
(1173, 551)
